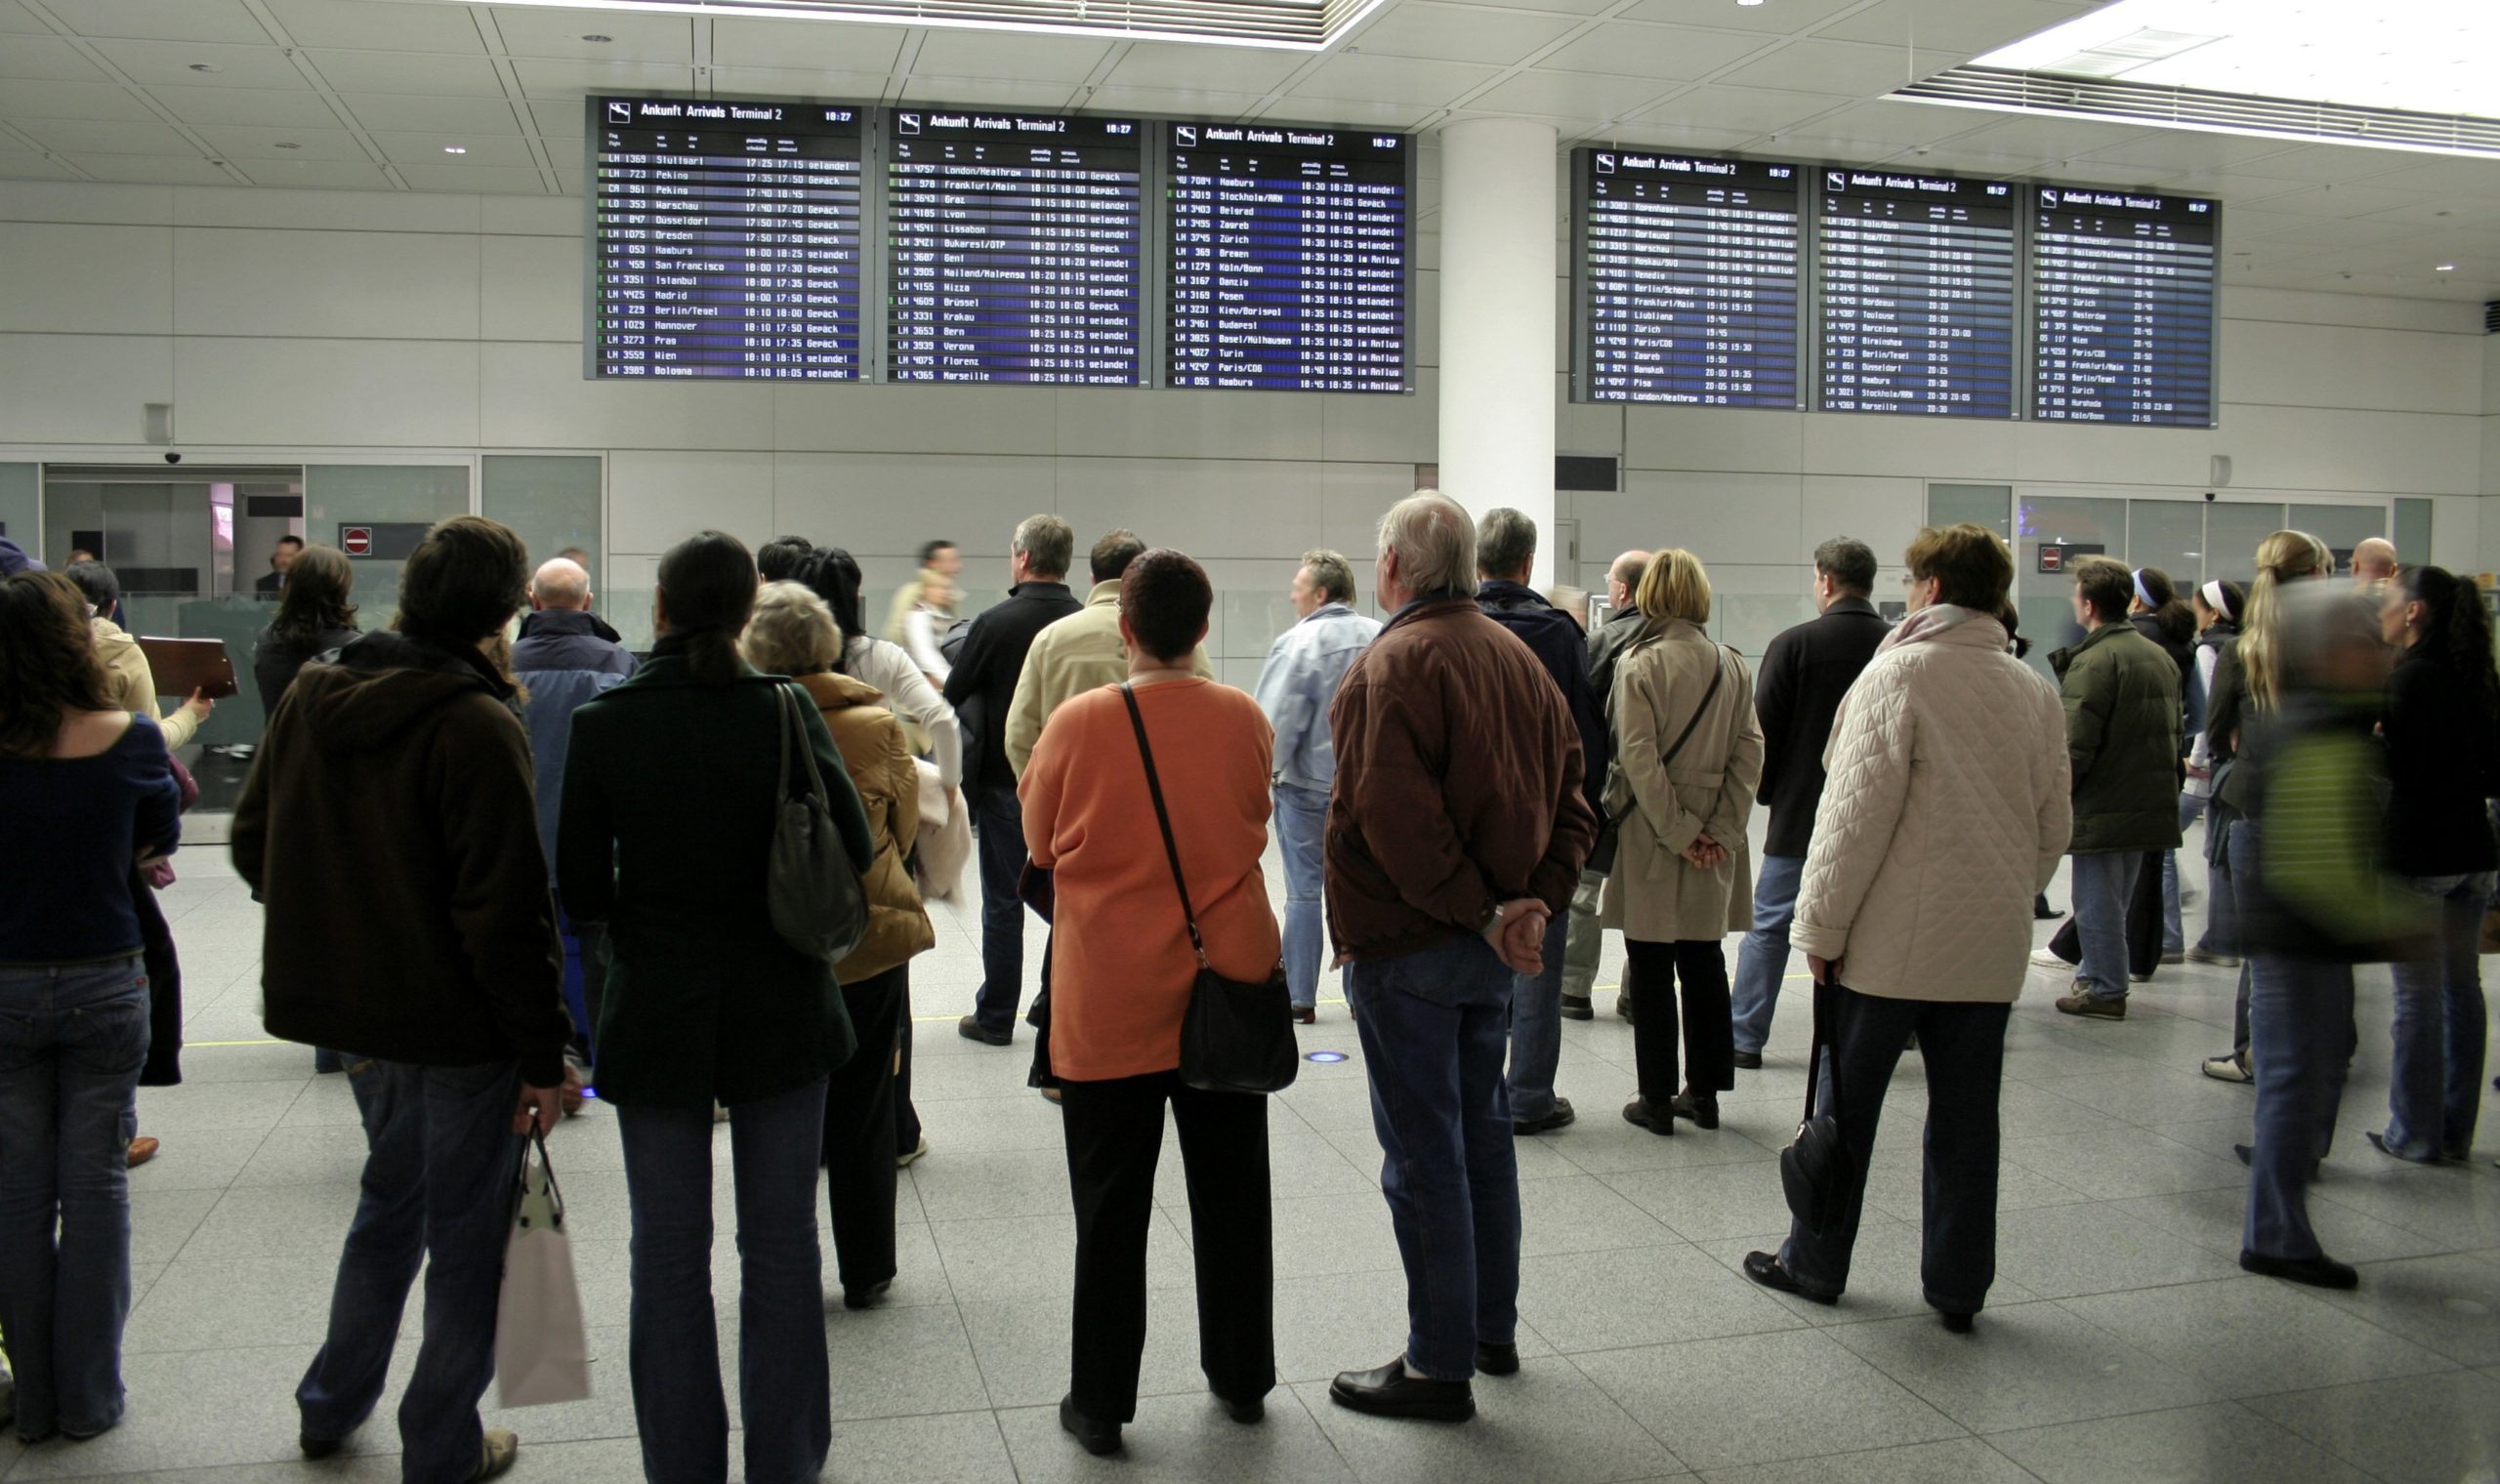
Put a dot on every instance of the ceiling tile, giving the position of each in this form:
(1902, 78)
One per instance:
(98, 136)
(1955, 26)
(1006, 55)
(2325, 163)
(986, 93)
(1786, 18)
(161, 20)
(2445, 211)
(2449, 176)
(47, 57)
(2315, 232)
(303, 107)
(2172, 150)
(1357, 113)
(1665, 134)
(1572, 95)
(1756, 110)
(1839, 67)
(1559, 7)
(841, 47)
(24, 165)
(488, 150)
(1206, 69)
(321, 175)
(154, 170)
(364, 26)
(560, 119)
(1653, 51)
(14, 18)
(1458, 33)
(786, 82)
(2042, 137)
(623, 74)
(172, 62)
(1881, 127)
(2341, 201)
(481, 177)
(571, 181)
(2230, 185)
(29, 98)
(536, 32)
(409, 73)
(1393, 79)
(244, 142)
(1183, 104)
(418, 114)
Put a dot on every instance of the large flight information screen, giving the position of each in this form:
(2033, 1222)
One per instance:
(1918, 298)
(2122, 288)
(1013, 247)
(1688, 275)
(1287, 258)
(725, 238)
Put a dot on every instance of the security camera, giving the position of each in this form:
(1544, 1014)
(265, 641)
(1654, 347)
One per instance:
(2209, 497)
(173, 458)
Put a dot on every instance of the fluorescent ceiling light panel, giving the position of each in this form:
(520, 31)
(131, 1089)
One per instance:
(1302, 25)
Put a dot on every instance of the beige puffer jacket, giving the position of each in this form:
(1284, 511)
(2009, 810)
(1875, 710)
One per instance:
(1947, 808)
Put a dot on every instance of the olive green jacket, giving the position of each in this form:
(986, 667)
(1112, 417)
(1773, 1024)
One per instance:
(2121, 696)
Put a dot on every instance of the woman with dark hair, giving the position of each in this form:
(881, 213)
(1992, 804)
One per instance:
(313, 618)
(2442, 731)
(2217, 606)
(2161, 615)
(90, 779)
(835, 576)
(1120, 980)
(671, 797)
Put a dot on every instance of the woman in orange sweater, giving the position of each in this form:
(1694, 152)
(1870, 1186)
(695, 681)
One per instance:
(1120, 979)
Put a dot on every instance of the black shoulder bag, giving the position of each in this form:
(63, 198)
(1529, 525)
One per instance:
(1816, 1168)
(819, 904)
(1235, 1037)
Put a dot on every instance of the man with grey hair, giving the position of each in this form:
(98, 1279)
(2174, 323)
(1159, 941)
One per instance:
(1505, 554)
(1455, 832)
(1300, 679)
(1585, 940)
(982, 687)
(1797, 694)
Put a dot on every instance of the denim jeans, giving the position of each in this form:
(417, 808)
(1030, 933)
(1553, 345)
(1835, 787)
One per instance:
(2436, 1087)
(1762, 962)
(1536, 1026)
(1962, 1046)
(1002, 911)
(2301, 1025)
(72, 1039)
(1302, 826)
(1433, 1025)
(2174, 935)
(785, 1384)
(2102, 885)
(1585, 943)
(440, 1166)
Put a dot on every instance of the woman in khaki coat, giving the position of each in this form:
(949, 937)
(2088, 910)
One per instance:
(1687, 753)
(793, 633)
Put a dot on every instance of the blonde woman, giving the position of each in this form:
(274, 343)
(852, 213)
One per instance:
(1688, 756)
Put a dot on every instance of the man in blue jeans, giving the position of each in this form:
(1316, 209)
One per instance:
(1797, 694)
(1303, 668)
(387, 827)
(1456, 834)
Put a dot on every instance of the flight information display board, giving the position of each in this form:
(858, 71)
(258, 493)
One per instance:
(1286, 258)
(1013, 247)
(1688, 279)
(1917, 293)
(2122, 287)
(724, 239)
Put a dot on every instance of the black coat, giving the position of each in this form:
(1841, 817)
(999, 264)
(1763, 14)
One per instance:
(276, 660)
(1560, 647)
(2441, 746)
(1797, 693)
(987, 667)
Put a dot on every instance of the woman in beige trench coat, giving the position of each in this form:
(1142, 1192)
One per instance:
(1687, 753)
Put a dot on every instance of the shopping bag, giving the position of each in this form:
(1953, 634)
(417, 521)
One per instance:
(542, 1353)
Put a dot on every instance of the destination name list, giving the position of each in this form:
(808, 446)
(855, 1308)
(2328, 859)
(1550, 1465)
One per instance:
(1691, 270)
(1917, 294)
(2123, 285)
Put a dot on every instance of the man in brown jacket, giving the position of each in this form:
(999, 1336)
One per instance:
(1455, 832)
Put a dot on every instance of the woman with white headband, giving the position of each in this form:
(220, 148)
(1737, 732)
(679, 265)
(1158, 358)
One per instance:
(2218, 605)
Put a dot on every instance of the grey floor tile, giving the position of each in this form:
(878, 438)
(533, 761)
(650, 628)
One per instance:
(1583, 1213)
(220, 1304)
(1648, 1295)
(1760, 1398)
(328, 1155)
(958, 1448)
(281, 1061)
(2249, 1335)
(1883, 1276)
(1338, 1233)
(193, 1159)
(974, 1184)
(1022, 1346)
(1957, 1460)
(991, 1124)
(307, 1222)
(2113, 1163)
(2215, 1218)
(1710, 1201)
(2443, 1428)
(1331, 1322)
(187, 1410)
(2146, 1094)
(1899, 1188)
(1179, 1440)
(2025, 1365)
(1548, 1422)
(2186, 1445)
(1018, 1257)
(903, 1362)
(203, 1104)
(2058, 1251)
(322, 1101)
(2217, 1137)
(2451, 1303)
(162, 1221)
(2458, 1205)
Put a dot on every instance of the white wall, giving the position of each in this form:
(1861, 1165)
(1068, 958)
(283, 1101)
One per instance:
(296, 323)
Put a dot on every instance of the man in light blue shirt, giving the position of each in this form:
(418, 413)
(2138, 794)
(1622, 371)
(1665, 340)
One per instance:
(1295, 688)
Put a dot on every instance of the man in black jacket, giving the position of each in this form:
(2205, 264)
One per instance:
(983, 685)
(1505, 557)
(388, 826)
(1804, 673)
(1584, 941)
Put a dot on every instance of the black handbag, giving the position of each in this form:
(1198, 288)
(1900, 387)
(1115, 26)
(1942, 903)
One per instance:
(819, 906)
(1817, 1169)
(1236, 1036)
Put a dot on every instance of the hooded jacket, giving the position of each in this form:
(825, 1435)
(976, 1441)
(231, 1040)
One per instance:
(387, 826)
(275, 661)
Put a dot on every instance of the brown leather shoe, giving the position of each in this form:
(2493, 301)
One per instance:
(142, 1149)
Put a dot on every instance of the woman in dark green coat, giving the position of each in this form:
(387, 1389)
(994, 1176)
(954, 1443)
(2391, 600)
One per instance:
(667, 826)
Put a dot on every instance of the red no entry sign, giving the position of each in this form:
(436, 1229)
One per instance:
(357, 540)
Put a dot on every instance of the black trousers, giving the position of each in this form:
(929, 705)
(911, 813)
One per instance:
(1963, 1046)
(1114, 1136)
(860, 1174)
(906, 1117)
(1709, 1034)
(2144, 923)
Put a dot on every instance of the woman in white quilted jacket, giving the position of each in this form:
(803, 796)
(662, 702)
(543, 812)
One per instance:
(1687, 753)
(1948, 808)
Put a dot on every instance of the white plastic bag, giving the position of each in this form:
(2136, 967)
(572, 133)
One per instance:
(542, 1353)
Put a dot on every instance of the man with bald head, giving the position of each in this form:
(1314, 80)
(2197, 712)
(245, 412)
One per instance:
(564, 656)
(2373, 563)
(1583, 938)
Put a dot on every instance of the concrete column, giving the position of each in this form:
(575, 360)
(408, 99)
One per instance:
(1497, 231)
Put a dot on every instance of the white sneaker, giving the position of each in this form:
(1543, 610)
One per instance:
(2229, 1069)
(2046, 960)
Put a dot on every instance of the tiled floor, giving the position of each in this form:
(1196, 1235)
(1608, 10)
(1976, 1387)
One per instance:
(2123, 1343)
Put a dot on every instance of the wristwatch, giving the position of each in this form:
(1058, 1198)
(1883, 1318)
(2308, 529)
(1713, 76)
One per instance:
(1492, 918)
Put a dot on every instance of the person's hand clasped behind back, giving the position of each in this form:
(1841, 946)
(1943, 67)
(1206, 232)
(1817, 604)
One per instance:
(1518, 934)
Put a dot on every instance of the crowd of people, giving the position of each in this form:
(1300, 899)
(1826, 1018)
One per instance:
(557, 855)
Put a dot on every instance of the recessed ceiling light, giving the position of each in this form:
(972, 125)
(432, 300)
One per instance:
(206, 66)
(602, 40)
(455, 149)
(1749, 4)
(2444, 267)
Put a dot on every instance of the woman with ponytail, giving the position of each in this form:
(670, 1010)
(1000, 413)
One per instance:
(671, 795)
(2442, 731)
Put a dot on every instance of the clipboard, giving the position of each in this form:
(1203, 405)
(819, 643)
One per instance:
(181, 666)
